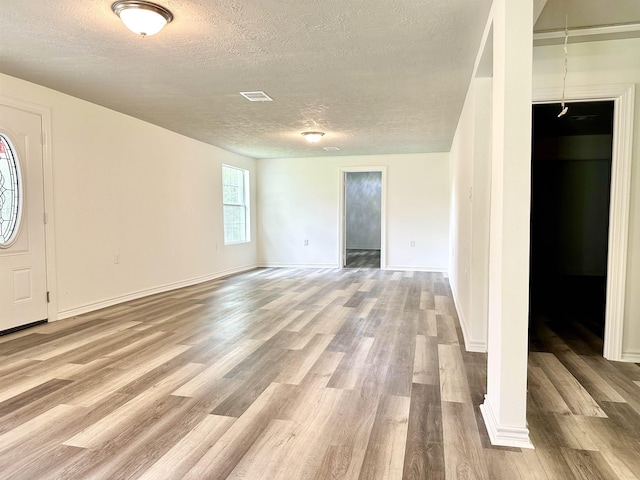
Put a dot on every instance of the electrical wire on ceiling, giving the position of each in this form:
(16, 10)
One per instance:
(565, 108)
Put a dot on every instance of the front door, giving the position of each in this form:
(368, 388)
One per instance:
(23, 282)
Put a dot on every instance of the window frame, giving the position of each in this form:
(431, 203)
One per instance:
(246, 205)
(13, 160)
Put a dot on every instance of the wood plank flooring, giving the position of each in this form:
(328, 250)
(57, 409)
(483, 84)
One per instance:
(300, 374)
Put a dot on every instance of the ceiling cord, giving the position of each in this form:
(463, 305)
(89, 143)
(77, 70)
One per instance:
(566, 62)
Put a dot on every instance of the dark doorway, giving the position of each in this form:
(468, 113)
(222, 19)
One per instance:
(363, 219)
(571, 185)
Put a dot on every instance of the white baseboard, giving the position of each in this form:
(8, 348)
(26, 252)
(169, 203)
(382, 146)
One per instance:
(503, 436)
(631, 356)
(402, 268)
(475, 346)
(470, 345)
(297, 265)
(72, 312)
(410, 268)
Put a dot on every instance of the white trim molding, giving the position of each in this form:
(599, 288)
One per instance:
(623, 97)
(470, 345)
(297, 265)
(631, 356)
(47, 169)
(409, 268)
(72, 312)
(589, 34)
(475, 346)
(503, 436)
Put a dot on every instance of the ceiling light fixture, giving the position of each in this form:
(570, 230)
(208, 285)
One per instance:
(313, 137)
(141, 17)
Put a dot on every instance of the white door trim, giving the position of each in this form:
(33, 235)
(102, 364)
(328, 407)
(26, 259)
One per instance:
(623, 98)
(47, 166)
(383, 215)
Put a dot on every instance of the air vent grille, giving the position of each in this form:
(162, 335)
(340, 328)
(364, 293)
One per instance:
(331, 149)
(256, 96)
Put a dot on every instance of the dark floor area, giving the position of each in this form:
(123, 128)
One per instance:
(567, 300)
(363, 258)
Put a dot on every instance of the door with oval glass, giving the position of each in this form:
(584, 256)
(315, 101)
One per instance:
(23, 274)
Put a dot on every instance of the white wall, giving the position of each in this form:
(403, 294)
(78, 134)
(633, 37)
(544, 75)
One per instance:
(125, 186)
(596, 63)
(462, 150)
(604, 63)
(298, 199)
(363, 199)
(469, 216)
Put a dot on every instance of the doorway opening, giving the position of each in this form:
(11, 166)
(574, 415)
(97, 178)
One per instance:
(570, 206)
(363, 211)
(362, 237)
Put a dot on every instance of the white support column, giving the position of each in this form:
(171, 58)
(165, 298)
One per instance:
(505, 405)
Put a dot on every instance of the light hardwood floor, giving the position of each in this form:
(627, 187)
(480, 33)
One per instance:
(299, 374)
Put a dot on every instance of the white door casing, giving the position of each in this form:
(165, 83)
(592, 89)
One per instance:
(623, 97)
(23, 267)
(342, 244)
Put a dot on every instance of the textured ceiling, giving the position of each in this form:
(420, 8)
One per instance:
(378, 76)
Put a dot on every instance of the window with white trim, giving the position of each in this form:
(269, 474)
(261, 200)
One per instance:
(235, 204)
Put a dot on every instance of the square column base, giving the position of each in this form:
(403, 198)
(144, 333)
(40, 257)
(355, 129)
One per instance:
(503, 436)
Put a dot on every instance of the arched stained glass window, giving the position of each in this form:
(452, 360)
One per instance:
(10, 192)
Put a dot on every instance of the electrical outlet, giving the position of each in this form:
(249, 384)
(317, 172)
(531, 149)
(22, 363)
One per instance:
(413, 243)
(306, 243)
(116, 258)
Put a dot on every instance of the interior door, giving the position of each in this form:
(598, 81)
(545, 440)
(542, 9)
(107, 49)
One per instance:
(23, 282)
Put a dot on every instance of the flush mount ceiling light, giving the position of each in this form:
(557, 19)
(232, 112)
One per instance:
(313, 137)
(141, 17)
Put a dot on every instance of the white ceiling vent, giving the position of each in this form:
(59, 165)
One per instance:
(331, 149)
(256, 96)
